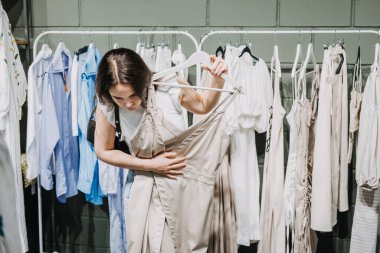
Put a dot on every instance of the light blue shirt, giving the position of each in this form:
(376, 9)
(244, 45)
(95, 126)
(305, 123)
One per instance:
(88, 181)
(66, 151)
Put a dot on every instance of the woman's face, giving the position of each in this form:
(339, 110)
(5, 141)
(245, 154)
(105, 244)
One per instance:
(125, 97)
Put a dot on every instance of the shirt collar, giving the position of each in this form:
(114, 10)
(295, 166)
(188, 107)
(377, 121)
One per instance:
(92, 60)
(59, 64)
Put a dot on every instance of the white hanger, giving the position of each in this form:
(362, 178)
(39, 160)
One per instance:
(45, 47)
(61, 46)
(199, 57)
(377, 49)
(179, 47)
(310, 53)
(115, 46)
(296, 60)
(91, 45)
(276, 61)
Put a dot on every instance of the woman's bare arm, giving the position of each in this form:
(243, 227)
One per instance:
(202, 103)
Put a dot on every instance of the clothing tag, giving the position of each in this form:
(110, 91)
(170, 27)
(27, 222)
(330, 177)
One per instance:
(66, 84)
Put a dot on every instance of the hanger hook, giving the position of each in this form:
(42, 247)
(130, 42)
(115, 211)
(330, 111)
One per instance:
(359, 38)
(335, 37)
(311, 36)
(275, 37)
(114, 37)
(299, 36)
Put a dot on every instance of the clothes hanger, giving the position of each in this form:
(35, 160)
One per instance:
(115, 44)
(309, 56)
(247, 50)
(199, 57)
(220, 51)
(377, 49)
(45, 47)
(297, 59)
(276, 61)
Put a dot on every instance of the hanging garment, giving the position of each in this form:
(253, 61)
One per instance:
(355, 106)
(272, 215)
(178, 58)
(12, 96)
(74, 94)
(163, 58)
(368, 155)
(9, 230)
(66, 152)
(162, 208)
(247, 114)
(149, 57)
(366, 224)
(42, 128)
(88, 181)
(330, 175)
(223, 237)
(297, 195)
(118, 206)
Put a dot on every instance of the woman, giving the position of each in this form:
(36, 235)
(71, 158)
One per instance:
(123, 79)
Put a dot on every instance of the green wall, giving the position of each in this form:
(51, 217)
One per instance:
(81, 227)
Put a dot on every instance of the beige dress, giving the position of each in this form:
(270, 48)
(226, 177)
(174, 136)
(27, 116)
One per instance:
(175, 215)
(272, 215)
(330, 169)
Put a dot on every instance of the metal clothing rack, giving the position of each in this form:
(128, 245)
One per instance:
(299, 32)
(35, 47)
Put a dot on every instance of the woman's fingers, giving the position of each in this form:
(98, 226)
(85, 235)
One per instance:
(170, 154)
(215, 65)
(175, 172)
(222, 70)
(177, 166)
(177, 160)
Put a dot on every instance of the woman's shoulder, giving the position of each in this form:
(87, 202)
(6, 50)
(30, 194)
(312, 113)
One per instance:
(108, 110)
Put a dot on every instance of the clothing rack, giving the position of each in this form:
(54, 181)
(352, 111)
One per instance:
(198, 47)
(299, 32)
(88, 32)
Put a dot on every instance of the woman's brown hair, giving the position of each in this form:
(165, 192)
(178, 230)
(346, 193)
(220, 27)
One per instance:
(122, 66)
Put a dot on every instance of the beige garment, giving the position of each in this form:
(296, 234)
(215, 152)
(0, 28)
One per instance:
(367, 156)
(187, 202)
(224, 235)
(272, 215)
(223, 238)
(355, 106)
(330, 169)
(304, 237)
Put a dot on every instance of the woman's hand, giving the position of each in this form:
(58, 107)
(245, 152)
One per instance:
(217, 68)
(168, 164)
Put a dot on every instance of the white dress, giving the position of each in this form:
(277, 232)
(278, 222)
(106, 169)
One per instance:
(330, 169)
(272, 219)
(248, 113)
